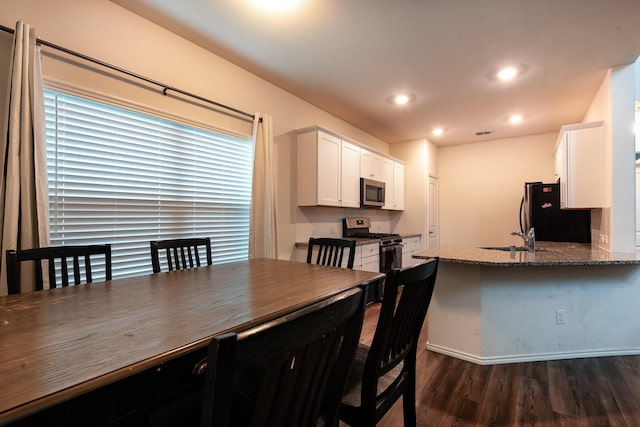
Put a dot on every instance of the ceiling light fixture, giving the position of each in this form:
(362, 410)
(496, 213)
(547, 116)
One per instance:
(277, 5)
(515, 119)
(402, 99)
(437, 131)
(507, 73)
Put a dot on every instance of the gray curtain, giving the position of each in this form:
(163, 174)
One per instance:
(263, 233)
(23, 185)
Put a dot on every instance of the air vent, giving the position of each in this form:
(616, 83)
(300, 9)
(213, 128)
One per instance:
(483, 132)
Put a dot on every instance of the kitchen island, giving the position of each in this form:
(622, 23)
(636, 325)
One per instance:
(563, 301)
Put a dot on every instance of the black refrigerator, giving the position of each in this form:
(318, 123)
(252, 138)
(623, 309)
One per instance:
(540, 209)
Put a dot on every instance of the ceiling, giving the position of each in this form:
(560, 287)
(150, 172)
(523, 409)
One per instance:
(349, 57)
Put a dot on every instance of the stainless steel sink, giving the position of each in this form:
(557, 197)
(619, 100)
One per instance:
(508, 248)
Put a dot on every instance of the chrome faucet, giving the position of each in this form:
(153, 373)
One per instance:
(529, 239)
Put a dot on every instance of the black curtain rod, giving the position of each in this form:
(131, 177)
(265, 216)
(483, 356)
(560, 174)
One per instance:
(164, 87)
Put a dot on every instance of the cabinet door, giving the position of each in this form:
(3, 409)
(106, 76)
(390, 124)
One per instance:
(371, 257)
(398, 186)
(350, 175)
(585, 173)
(370, 165)
(329, 150)
(411, 246)
(371, 264)
(387, 178)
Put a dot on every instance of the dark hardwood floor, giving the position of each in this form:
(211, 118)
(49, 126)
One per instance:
(596, 392)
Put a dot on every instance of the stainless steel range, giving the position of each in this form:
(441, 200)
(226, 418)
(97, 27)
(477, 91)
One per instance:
(390, 243)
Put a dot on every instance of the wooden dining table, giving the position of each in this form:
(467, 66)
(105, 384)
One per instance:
(60, 344)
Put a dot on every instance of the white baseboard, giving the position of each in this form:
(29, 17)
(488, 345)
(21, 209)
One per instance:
(496, 360)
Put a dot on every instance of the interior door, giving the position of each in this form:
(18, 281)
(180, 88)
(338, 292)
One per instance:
(434, 225)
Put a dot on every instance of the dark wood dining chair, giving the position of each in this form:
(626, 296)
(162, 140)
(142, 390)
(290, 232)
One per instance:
(288, 372)
(180, 253)
(61, 259)
(330, 251)
(387, 370)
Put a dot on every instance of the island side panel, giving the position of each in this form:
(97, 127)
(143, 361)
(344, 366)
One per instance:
(454, 319)
(520, 304)
(493, 314)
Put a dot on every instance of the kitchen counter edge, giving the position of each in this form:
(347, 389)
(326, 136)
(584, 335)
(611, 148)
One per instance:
(550, 254)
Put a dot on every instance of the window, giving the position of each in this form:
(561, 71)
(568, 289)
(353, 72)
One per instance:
(121, 177)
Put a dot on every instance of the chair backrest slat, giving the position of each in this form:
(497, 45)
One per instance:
(87, 263)
(180, 253)
(54, 255)
(65, 270)
(330, 251)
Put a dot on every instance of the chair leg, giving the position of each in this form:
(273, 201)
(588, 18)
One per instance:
(409, 401)
(409, 407)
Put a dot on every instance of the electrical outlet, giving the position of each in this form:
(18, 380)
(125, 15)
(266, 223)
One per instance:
(560, 316)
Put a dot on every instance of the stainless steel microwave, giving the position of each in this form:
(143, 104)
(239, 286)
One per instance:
(371, 193)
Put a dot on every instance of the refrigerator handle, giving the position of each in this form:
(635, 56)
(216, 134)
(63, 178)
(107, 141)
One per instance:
(521, 208)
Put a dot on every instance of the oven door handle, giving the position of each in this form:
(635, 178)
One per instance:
(397, 256)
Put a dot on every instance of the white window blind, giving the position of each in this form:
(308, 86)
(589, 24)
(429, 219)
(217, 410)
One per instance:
(121, 177)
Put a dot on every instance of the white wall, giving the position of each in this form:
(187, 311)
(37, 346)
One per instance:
(420, 161)
(614, 104)
(106, 31)
(481, 185)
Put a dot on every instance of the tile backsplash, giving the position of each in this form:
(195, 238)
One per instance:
(601, 228)
(320, 221)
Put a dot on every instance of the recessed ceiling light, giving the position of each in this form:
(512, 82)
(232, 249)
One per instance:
(437, 131)
(507, 73)
(515, 119)
(277, 5)
(402, 99)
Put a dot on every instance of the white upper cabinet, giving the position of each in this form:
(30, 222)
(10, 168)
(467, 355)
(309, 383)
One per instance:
(580, 166)
(319, 169)
(350, 185)
(387, 178)
(370, 165)
(329, 168)
(393, 177)
(398, 186)
(328, 171)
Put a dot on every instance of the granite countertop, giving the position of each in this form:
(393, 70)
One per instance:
(409, 235)
(547, 254)
(360, 241)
